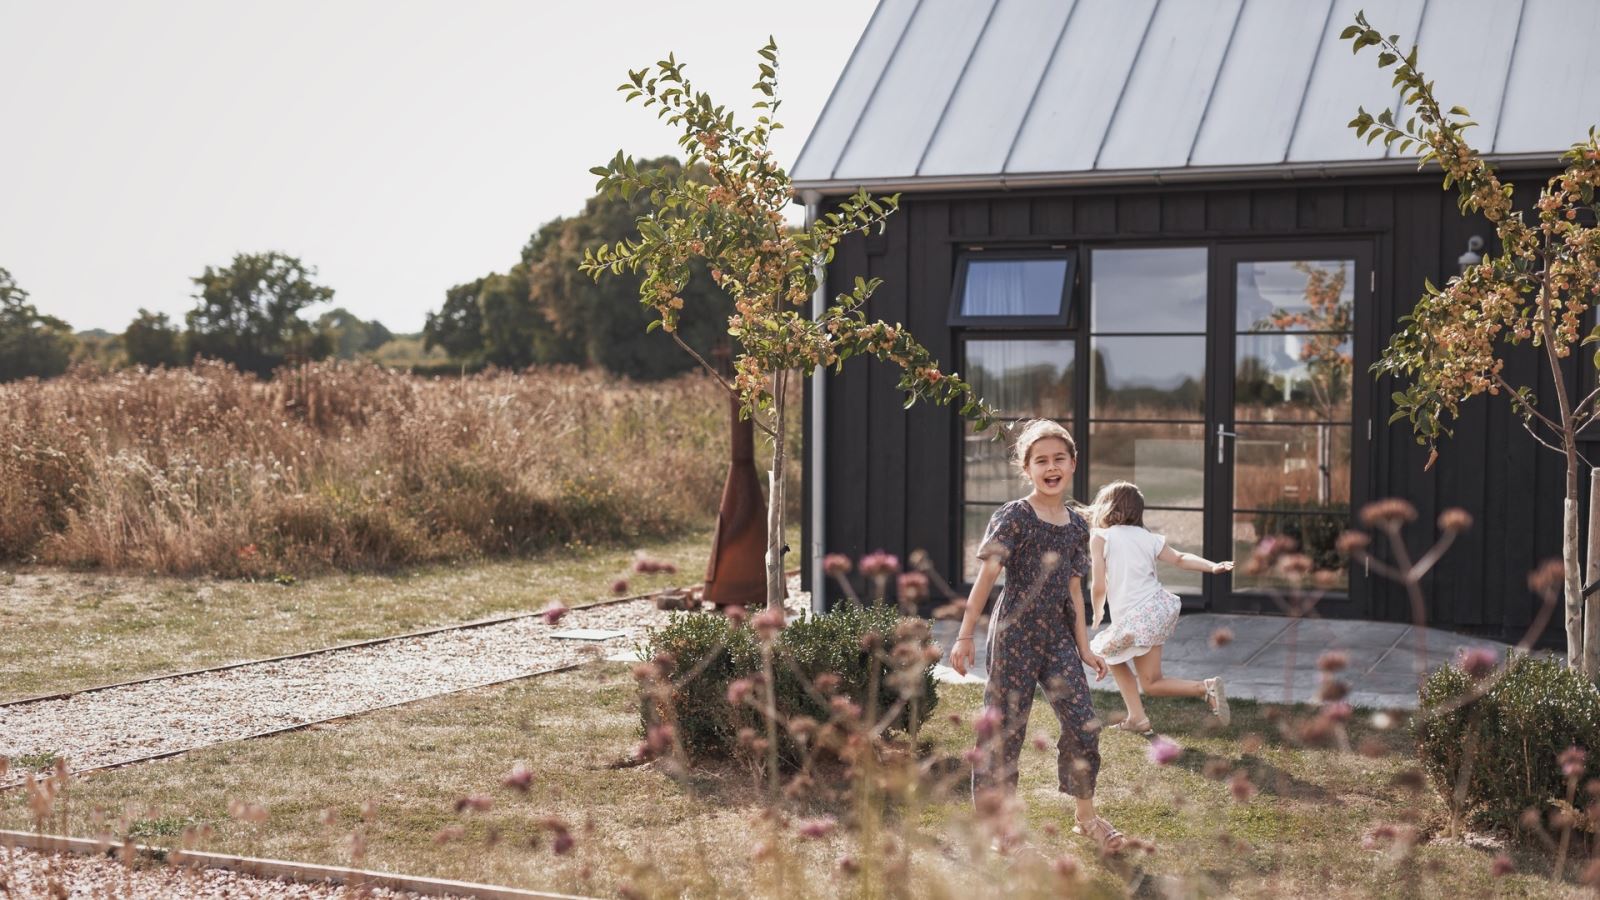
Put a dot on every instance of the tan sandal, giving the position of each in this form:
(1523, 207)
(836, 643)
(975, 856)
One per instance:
(1141, 726)
(1105, 835)
(1217, 700)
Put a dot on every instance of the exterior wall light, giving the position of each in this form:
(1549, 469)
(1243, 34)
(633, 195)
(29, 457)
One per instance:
(1473, 256)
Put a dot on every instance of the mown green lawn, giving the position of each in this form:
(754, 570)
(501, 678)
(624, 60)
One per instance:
(66, 630)
(633, 826)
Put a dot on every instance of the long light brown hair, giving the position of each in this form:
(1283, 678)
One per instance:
(1118, 503)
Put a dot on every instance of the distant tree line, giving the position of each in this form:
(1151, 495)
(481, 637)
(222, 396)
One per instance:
(543, 310)
(252, 313)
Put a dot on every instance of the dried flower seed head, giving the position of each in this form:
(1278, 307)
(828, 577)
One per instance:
(738, 690)
(1476, 662)
(1163, 751)
(1390, 513)
(913, 587)
(827, 682)
(836, 565)
(879, 564)
(1221, 637)
(1040, 744)
(768, 623)
(735, 614)
(619, 587)
(520, 778)
(1352, 543)
(1455, 519)
(1295, 565)
(1327, 578)
(1333, 689)
(554, 612)
(1066, 867)
(1573, 760)
(987, 724)
(1241, 788)
(1548, 577)
(449, 833)
(1216, 768)
(1333, 661)
(474, 803)
(815, 829)
(1372, 748)
(847, 865)
(1501, 866)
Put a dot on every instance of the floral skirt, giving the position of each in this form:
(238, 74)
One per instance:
(1146, 624)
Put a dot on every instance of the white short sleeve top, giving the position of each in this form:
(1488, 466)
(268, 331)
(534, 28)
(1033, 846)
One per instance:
(1131, 553)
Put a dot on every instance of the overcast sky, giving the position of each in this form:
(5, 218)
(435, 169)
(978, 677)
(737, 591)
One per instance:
(399, 146)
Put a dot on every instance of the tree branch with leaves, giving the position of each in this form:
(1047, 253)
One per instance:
(1538, 290)
(725, 207)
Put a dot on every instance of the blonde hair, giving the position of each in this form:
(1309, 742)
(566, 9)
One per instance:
(1118, 503)
(1035, 431)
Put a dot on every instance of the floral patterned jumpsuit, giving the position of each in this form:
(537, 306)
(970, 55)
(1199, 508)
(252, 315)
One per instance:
(1032, 642)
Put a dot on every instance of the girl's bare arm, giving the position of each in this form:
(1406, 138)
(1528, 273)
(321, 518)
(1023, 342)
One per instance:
(962, 651)
(1191, 563)
(1097, 577)
(1080, 633)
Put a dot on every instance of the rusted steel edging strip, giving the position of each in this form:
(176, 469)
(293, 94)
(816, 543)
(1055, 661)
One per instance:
(303, 873)
(301, 725)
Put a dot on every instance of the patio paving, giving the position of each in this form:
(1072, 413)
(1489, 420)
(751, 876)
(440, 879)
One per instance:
(1274, 658)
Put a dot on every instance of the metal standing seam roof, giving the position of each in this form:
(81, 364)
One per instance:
(946, 94)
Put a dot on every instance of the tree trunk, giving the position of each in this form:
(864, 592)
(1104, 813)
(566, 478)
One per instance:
(1591, 605)
(1572, 565)
(775, 580)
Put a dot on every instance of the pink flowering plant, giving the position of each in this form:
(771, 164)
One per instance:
(725, 209)
(1537, 290)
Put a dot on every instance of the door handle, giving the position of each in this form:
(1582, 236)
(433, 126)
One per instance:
(1223, 432)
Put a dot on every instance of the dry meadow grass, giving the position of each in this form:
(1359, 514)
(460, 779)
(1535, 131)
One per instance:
(66, 630)
(437, 807)
(341, 467)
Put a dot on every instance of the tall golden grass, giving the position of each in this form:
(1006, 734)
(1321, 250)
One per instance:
(347, 466)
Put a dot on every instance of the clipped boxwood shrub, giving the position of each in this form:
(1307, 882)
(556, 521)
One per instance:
(710, 652)
(1518, 729)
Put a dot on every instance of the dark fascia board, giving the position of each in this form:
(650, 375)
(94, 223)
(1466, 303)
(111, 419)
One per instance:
(1181, 175)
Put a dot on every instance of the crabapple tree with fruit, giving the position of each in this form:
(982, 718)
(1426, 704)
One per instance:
(725, 207)
(1538, 289)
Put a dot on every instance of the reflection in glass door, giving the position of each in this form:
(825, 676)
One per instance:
(1147, 388)
(1287, 443)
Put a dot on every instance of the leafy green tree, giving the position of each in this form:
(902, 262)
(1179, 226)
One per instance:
(457, 328)
(152, 339)
(731, 220)
(248, 313)
(1539, 289)
(349, 335)
(31, 344)
(603, 323)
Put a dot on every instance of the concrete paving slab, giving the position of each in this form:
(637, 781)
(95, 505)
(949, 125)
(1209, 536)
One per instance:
(1253, 663)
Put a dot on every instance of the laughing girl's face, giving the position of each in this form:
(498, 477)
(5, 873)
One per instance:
(1050, 466)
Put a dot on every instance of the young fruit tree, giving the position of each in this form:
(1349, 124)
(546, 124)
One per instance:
(1538, 290)
(725, 207)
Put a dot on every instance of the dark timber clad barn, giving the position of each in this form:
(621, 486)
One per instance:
(1148, 219)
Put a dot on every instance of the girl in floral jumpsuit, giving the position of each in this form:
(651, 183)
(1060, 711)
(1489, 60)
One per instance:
(1037, 635)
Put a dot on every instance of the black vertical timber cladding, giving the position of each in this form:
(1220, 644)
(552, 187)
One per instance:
(892, 478)
(848, 447)
(930, 482)
(886, 425)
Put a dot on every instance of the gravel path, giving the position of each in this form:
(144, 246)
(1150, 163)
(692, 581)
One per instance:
(29, 874)
(128, 723)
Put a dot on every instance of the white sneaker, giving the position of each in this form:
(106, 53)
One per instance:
(1218, 700)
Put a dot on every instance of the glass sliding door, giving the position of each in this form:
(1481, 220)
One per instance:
(1022, 377)
(1287, 441)
(1147, 387)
